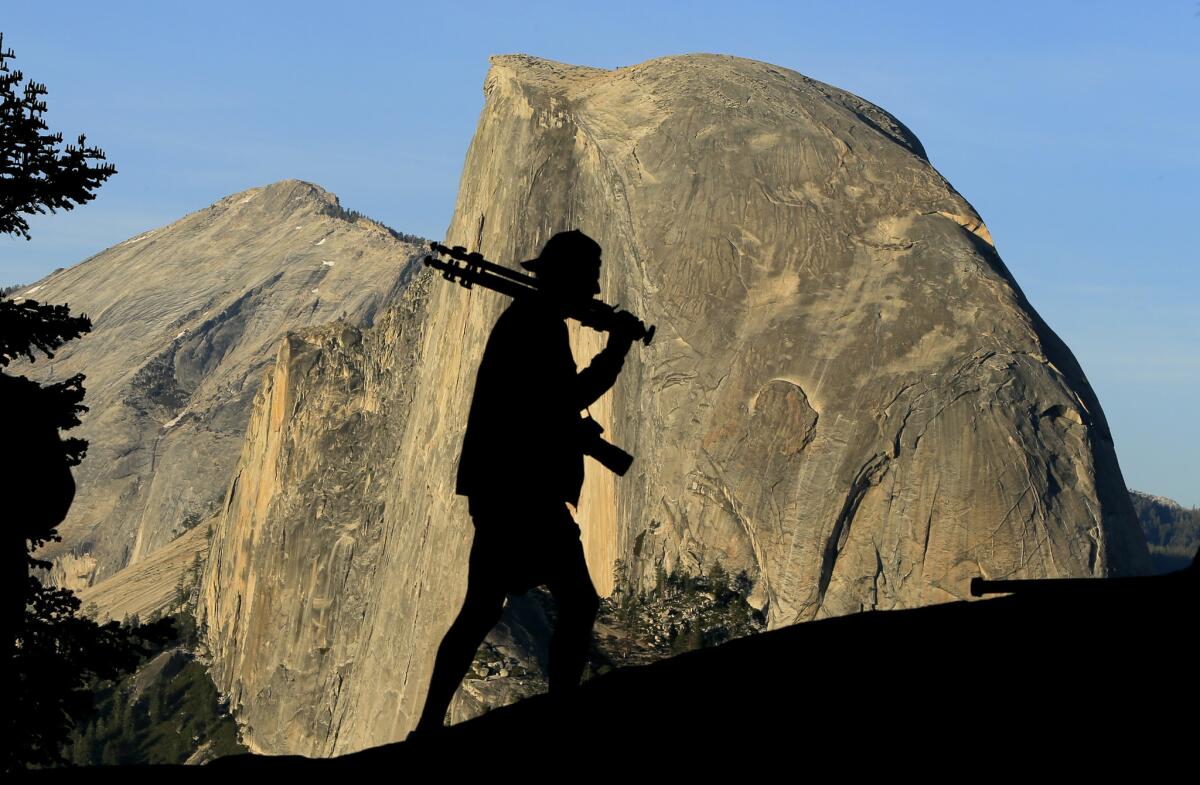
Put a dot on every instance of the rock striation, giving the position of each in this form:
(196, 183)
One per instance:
(186, 319)
(151, 586)
(849, 398)
(301, 571)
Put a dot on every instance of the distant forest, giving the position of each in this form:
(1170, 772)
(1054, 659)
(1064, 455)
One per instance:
(1172, 531)
(352, 216)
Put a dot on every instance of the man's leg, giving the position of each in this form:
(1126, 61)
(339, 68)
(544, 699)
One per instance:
(481, 610)
(578, 604)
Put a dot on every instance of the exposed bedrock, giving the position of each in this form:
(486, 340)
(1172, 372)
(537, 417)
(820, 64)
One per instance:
(186, 319)
(848, 397)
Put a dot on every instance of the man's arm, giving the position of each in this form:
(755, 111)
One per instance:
(601, 373)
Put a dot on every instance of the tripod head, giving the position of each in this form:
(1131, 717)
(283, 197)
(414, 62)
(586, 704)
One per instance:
(470, 269)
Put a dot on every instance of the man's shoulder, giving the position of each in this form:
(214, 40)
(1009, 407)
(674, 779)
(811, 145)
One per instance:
(528, 315)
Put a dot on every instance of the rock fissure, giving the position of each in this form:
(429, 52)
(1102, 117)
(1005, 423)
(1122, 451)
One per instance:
(868, 475)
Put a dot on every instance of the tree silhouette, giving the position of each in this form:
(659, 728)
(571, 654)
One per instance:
(52, 650)
(36, 175)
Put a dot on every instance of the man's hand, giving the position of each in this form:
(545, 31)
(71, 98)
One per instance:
(601, 374)
(626, 327)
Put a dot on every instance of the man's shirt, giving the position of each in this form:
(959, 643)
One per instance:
(523, 435)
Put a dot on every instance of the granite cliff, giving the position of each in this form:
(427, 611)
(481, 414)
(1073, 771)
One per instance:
(186, 319)
(849, 398)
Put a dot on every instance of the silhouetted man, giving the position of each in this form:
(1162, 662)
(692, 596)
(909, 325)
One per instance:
(522, 464)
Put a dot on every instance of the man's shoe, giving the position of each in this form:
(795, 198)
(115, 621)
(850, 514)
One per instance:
(424, 735)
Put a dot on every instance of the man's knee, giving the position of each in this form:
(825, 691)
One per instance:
(480, 610)
(580, 603)
(591, 602)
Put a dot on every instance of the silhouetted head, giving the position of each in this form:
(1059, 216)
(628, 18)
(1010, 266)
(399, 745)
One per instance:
(568, 266)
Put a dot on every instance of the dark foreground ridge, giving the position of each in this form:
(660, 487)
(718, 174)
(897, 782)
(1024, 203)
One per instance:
(1010, 685)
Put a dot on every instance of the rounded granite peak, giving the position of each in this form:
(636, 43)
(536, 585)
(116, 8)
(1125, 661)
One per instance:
(295, 187)
(283, 193)
(185, 318)
(726, 84)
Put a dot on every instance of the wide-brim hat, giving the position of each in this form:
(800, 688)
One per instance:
(565, 254)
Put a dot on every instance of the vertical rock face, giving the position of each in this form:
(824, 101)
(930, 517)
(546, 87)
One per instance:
(849, 397)
(298, 566)
(185, 322)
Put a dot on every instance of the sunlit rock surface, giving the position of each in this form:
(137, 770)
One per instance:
(186, 319)
(152, 585)
(848, 397)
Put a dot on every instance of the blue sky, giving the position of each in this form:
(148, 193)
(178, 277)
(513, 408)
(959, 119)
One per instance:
(1071, 127)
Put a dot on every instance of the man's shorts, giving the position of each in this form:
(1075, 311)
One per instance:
(522, 545)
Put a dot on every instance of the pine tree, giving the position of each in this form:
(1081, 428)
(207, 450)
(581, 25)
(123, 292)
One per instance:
(196, 573)
(120, 711)
(54, 652)
(110, 754)
(181, 592)
(36, 174)
(718, 579)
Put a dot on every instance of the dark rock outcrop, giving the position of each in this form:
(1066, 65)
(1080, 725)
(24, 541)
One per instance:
(1051, 681)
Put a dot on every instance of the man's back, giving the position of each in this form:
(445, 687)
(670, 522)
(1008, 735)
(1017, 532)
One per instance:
(522, 432)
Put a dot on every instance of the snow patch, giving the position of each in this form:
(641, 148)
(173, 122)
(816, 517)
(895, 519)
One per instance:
(301, 226)
(171, 423)
(181, 334)
(322, 241)
(248, 198)
(316, 291)
(137, 239)
(31, 291)
(327, 263)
